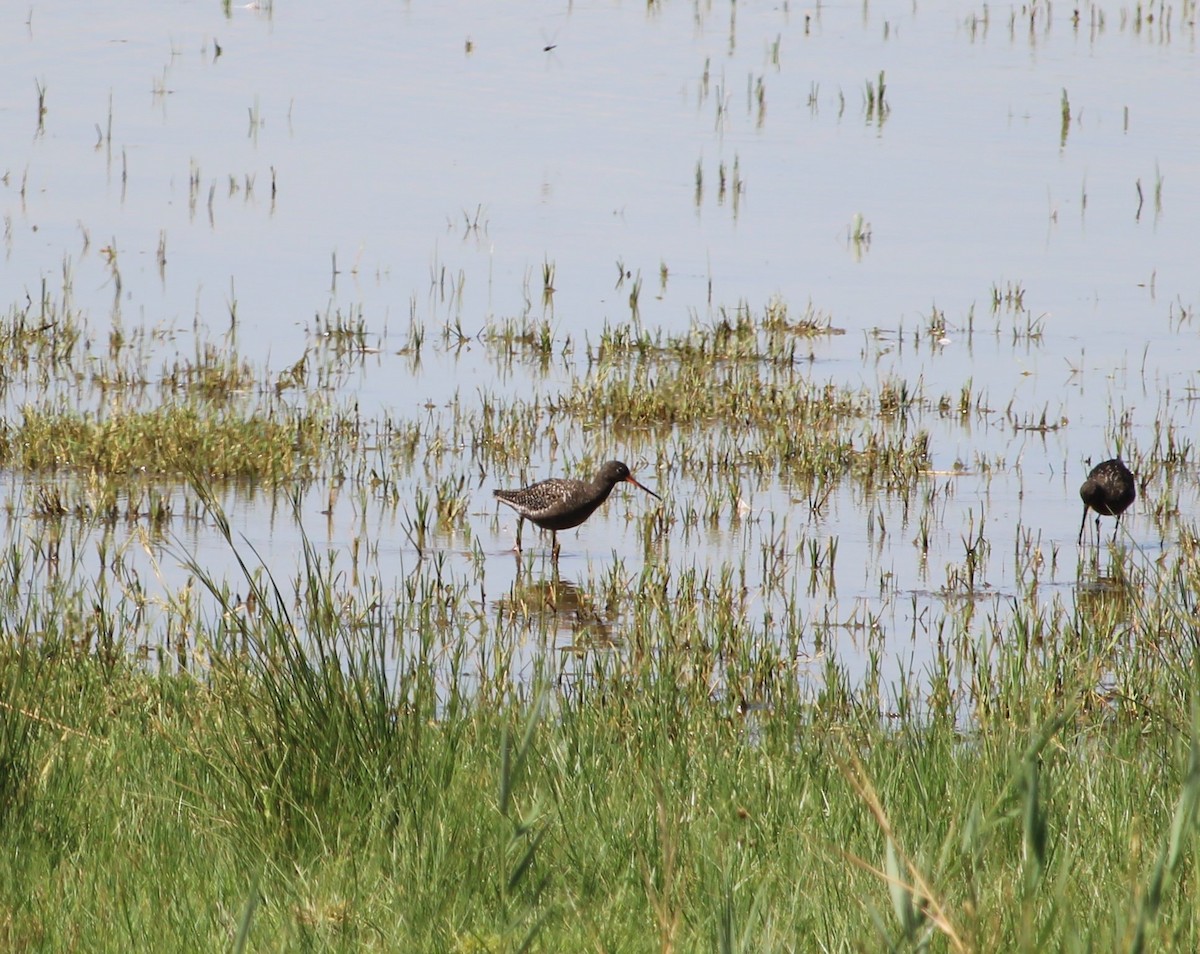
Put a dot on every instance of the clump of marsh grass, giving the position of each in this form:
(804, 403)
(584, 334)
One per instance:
(324, 718)
(171, 440)
(875, 98)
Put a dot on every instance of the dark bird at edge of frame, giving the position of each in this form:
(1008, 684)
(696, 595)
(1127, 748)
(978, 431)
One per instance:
(560, 504)
(1108, 490)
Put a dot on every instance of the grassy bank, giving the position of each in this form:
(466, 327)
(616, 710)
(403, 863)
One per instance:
(330, 772)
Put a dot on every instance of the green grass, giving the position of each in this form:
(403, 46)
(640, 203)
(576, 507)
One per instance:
(168, 440)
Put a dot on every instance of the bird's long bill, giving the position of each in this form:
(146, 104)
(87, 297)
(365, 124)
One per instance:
(630, 480)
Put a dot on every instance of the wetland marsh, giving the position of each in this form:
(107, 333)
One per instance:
(862, 291)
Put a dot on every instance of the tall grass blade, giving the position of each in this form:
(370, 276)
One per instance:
(244, 922)
(1034, 823)
(900, 891)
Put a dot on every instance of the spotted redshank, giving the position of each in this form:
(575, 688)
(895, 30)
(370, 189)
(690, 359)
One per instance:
(1108, 490)
(560, 504)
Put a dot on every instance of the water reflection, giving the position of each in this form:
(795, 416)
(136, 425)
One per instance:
(1105, 590)
(561, 607)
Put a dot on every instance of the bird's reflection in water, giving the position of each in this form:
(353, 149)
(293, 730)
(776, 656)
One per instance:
(1103, 594)
(565, 609)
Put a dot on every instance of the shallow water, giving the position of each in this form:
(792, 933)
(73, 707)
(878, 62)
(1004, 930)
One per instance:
(416, 166)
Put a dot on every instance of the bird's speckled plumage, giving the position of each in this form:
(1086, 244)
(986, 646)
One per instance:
(560, 503)
(1109, 490)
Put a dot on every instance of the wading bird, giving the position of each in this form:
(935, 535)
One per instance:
(560, 504)
(1108, 490)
